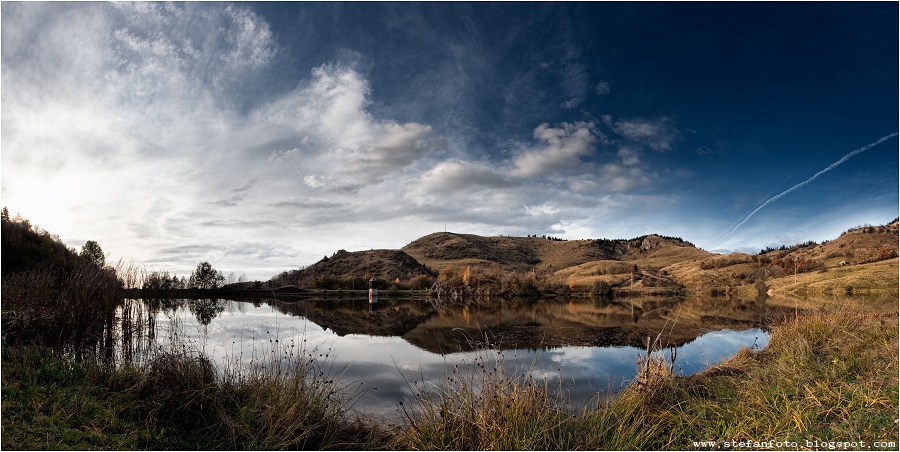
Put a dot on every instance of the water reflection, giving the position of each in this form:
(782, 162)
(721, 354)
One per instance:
(539, 326)
(583, 347)
(206, 309)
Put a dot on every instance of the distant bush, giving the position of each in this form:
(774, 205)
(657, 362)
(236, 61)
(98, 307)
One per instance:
(421, 282)
(601, 289)
(477, 284)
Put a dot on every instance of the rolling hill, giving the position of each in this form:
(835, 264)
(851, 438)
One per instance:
(643, 264)
(387, 265)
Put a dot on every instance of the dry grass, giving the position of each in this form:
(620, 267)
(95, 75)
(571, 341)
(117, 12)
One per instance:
(487, 407)
(829, 376)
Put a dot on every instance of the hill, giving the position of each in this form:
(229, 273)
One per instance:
(355, 268)
(51, 294)
(28, 248)
(641, 264)
(540, 253)
(857, 257)
(441, 249)
(646, 264)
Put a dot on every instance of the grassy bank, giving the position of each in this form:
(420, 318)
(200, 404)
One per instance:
(831, 375)
(177, 400)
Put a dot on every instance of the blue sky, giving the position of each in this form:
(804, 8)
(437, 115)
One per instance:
(262, 136)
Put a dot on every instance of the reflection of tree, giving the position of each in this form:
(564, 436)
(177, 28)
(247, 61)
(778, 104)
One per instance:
(206, 309)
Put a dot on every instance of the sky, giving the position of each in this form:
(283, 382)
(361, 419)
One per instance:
(261, 137)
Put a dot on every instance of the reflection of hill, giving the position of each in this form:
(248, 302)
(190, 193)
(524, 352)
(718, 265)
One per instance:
(586, 323)
(355, 317)
(538, 326)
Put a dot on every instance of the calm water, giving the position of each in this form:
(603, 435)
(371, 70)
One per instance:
(587, 348)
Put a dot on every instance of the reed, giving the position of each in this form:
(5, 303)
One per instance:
(290, 397)
(491, 405)
(66, 309)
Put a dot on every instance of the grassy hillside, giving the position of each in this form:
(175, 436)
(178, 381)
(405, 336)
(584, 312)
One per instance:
(861, 259)
(542, 254)
(353, 270)
(862, 278)
(646, 264)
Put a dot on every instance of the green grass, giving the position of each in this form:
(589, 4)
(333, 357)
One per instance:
(51, 402)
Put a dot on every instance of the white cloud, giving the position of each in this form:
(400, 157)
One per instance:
(543, 209)
(282, 157)
(397, 146)
(454, 174)
(561, 149)
(330, 107)
(584, 185)
(571, 103)
(252, 43)
(573, 231)
(575, 83)
(621, 179)
(312, 181)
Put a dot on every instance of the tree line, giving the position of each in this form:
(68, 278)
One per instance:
(203, 277)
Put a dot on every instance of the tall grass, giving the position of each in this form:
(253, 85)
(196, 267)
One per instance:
(68, 309)
(487, 406)
(290, 399)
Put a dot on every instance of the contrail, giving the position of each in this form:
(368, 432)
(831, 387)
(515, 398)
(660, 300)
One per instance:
(801, 184)
(728, 229)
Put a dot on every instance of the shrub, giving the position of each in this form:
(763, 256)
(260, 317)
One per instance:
(601, 289)
(421, 282)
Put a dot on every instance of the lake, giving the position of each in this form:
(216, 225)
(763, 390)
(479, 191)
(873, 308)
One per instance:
(585, 348)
